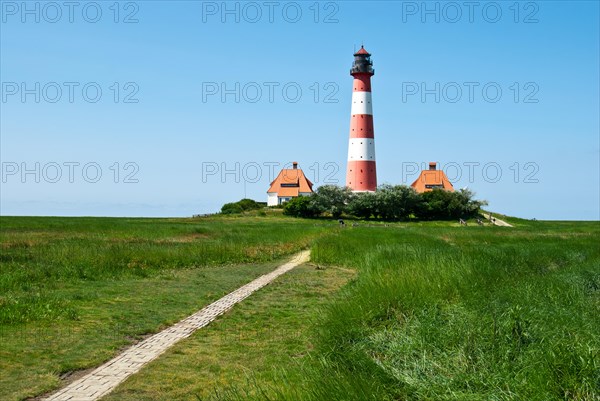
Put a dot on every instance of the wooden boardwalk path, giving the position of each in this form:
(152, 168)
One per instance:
(108, 376)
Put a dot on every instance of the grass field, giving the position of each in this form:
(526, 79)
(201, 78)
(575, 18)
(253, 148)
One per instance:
(413, 311)
(479, 313)
(73, 292)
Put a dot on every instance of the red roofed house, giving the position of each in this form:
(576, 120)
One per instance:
(290, 183)
(431, 179)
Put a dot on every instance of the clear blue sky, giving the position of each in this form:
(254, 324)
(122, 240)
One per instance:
(542, 133)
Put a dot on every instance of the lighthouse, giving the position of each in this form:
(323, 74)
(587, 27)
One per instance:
(361, 174)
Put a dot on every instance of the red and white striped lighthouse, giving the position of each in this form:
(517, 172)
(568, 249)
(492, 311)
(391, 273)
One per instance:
(361, 174)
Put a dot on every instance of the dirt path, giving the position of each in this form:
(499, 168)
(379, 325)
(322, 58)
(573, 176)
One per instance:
(105, 378)
(496, 221)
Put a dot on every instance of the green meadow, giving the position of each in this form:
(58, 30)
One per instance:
(396, 311)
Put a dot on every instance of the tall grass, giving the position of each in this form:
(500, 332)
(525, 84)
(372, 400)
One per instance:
(436, 312)
(39, 254)
(74, 291)
(459, 314)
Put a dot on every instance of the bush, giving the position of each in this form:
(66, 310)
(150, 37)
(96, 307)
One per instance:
(363, 205)
(241, 206)
(331, 199)
(249, 204)
(302, 206)
(395, 202)
(390, 202)
(443, 205)
(231, 208)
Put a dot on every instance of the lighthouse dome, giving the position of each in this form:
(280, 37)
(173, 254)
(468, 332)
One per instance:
(362, 50)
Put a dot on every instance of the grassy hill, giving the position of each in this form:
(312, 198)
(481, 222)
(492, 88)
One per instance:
(387, 311)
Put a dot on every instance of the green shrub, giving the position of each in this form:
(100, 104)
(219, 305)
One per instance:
(443, 205)
(249, 204)
(389, 202)
(302, 206)
(231, 208)
(395, 202)
(240, 206)
(363, 205)
(331, 199)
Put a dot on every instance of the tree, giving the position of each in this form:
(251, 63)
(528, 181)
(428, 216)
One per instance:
(331, 199)
(390, 202)
(444, 205)
(302, 206)
(464, 204)
(395, 202)
(362, 205)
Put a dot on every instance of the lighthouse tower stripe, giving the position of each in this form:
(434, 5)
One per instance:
(361, 149)
(361, 126)
(362, 82)
(361, 103)
(361, 176)
(361, 146)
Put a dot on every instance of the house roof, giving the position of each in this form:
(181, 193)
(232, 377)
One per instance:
(291, 182)
(432, 178)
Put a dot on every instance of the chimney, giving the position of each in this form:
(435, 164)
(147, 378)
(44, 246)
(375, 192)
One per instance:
(295, 164)
(432, 165)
